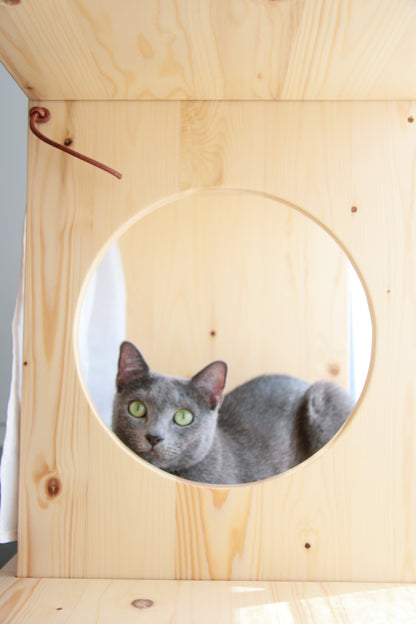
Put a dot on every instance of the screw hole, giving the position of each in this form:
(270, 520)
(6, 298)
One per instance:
(410, 119)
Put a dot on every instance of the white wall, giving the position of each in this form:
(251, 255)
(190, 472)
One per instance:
(13, 152)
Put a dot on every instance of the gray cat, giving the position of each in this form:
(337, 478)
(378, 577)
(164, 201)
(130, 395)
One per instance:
(190, 429)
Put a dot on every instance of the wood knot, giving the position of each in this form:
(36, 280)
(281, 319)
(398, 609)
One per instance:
(334, 369)
(49, 484)
(53, 487)
(142, 603)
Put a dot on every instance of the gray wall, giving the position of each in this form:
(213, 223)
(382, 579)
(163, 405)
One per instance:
(13, 152)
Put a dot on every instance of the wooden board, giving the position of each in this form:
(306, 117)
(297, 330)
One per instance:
(30, 601)
(88, 507)
(211, 49)
(206, 274)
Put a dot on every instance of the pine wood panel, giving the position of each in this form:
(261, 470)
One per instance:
(112, 516)
(30, 601)
(210, 49)
(207, 274)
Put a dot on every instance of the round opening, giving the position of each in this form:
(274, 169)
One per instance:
(234, 277)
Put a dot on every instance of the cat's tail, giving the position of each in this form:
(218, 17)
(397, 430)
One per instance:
(322, 411)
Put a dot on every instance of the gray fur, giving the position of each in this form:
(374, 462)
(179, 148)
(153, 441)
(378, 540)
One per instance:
(260, 429)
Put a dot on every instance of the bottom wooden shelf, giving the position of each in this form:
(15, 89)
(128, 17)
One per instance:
(46, 601)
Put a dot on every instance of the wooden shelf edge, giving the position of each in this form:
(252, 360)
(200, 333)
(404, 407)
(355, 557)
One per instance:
(26, 601)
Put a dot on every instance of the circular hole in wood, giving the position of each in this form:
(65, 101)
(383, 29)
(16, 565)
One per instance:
(284, 298)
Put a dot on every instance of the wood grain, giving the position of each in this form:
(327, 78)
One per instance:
(206, 274)
(112, 516)
(210, 50)
(30, 601)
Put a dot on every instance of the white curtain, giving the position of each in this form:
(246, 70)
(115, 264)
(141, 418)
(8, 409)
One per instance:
(102, 328)
(9, 469)
(361, 335)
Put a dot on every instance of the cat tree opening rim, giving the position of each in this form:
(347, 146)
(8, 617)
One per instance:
(148, 209)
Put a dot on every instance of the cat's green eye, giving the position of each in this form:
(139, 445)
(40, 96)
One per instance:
(183, 417)
(137, 409)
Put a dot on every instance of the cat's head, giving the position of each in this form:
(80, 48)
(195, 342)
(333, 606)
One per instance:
(168, 421)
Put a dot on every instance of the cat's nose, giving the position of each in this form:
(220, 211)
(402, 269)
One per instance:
(153, 439)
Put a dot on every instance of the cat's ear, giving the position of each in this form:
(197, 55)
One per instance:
(131, 366)
(210, 382)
